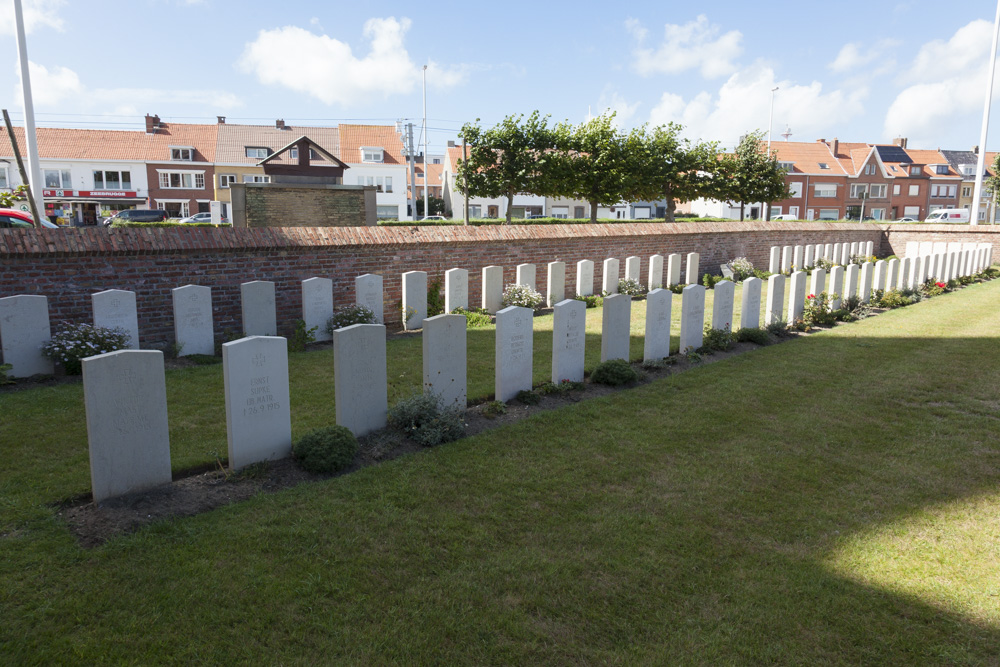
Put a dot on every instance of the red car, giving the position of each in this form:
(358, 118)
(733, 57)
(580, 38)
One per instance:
(11, 217)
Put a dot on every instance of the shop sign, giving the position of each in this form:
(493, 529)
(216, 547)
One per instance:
(58, 193)
(108, 194)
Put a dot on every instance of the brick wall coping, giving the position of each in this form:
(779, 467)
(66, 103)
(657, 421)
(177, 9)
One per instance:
(164, 240)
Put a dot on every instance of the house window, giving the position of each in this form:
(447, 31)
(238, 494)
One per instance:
(225, 180)
(775, 210)
(859, 190)
(185, 154)
(915, 171)
(184, 180)
(475, 211)
(3, 178)
(258, 152)
(256, 178)
(941, 168)
(371, 154)
(578, 212)
(562, 212)
(293, 153)
(911, 211)
(966, 190)
(878, 191)
(914, 190)
(787, 166)
(387, 212)
(829, 214)
(57, 178)
(895, 189)
(112, 180)
(826, 190)
(793, 211)
(175, 209)
(388, 183)
(824, 165)
(869, 170)
(878, 213)
(796, 189)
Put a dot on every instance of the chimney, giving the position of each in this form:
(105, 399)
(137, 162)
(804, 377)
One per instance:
(221, 119)
(822, 141)
(835, 146)
(152, 122)
(280, 124)
(975, 149)
(451, 144)
(900, 141)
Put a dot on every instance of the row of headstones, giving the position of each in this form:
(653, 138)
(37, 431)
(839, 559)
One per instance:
(784, 258)
(456, 283)
(924, 248)
(125, 391)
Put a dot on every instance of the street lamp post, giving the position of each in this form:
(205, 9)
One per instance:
(770, 120)
(427, 179)
(981, 162)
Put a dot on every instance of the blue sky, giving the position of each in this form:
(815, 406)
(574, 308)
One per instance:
(859, 71)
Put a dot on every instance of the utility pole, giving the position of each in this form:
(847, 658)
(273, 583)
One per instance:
(981, 162)
(412, 155)
(770, 120)
(427, 211)
(465, 179)
(20, 168)
(30, 140)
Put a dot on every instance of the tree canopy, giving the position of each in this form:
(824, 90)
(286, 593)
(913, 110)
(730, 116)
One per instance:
(751, 175)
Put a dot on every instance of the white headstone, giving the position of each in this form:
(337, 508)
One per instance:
(836, 254)
(317, 305)
(836, 287)
(854, 251)
(258, 414)
(916, 272)
(774, 264)
(869, 249)
(125, 396)
(633, 269)
(673, 275)
(658, 306)
(904, 272)
(692, 268)
(609, 277)
(892, 274)
(796, 295)
(456, 290)
(798, 255)
(514, 345)
(912, 249)
(845, 254)
(584, 277)
(724, 296)
(368, 293)
(828, 252)
(692, 318)
(414, 299)
(555, 283)
(818, 283)
(492, 289)
(879, 281)
(867, 269)
(259, 315)
(750, 304)
(851, 277)
(24, 327)
(655, 272)
(809, 259)
(926, 247)
(115, 309)
(615, 323)
(569, 332)
(773, 312)
(193, 330)
(359, 377)
(786, 258)
(526, 275)
(444, 341)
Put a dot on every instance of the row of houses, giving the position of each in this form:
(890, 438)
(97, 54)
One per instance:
(181, 167)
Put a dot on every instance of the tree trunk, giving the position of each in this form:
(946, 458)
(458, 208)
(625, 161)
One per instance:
(742, 206)
(671, 206)
(593, 211)
(510, 206)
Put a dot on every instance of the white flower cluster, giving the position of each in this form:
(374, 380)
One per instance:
(742, 268)
(521, 295)
(74, 342)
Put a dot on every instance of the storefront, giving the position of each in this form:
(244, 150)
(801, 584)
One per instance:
(80, 208)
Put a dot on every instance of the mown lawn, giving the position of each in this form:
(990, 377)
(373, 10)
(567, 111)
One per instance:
(830, 500)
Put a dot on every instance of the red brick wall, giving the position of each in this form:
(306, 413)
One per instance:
(68, 265)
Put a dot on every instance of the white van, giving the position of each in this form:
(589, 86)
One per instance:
(955, 215)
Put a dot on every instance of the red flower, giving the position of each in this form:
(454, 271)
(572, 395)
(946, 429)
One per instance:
(811, 296)
(941, 285)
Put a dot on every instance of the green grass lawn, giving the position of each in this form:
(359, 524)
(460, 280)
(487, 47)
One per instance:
(829, 500)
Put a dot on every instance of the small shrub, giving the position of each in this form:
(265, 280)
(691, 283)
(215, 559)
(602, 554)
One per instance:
(563, 387)
(592, 300)
(521, 295)
(301, 337)
(817, 311)
(326, 450)
(966, 280)
(752, 335)
(528, 397)
(896, 299)
(630, 287)
(225, 336)
(423, 419)
(4, 377)
(348, 315)
(494, 409)
(204, 359)
(74, 342)
(761, 273)
(710, 281)
(435, 298)
(822, 263)
(693, 356)
(677, 288)
(614, 372)
(658, 364)
(777, 329)
(716, 340)
(475, 318)
(742, 269)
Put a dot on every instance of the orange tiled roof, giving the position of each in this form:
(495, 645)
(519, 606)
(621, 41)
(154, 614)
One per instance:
(354, 137)
(75, 144)
(929, 157)
(807, 156)
(233, 141)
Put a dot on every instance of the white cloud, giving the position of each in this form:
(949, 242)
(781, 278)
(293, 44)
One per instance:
(743, 103)
(50, 87)
(947, 81)
(851, 57)
(612, 101)
(37, 13)
(327, 69)
(694, 45)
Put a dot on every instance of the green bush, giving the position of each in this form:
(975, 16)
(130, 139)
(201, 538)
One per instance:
(521, 295)
(476, 318)
(326, 450)
(345, 317)
(563, 387)
(630, 287)
(614, 372)
(423, 419)
(71, 344)
(716, 340)
(752, 335)
(528, 397)
(592, 300)
(777, 329)
(301, 337)
(677, 288)
(762, 274)
(896, 298)
(710, 281)
(817, 310)
(494, 409)
(435, 298)
(4, 377)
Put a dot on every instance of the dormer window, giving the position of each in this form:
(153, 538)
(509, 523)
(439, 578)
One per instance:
(824, 165)
(371, 154)
(941, 169)
(869, 170)
(915, 170)
(787, 166)
(968, 169)
(293, 153)
(258, 152)
(184, 153)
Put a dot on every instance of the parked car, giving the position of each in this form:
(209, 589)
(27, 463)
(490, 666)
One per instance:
(953, 215)
(137, 215)
(907, 219)
(433, 217)
(11, 217)
(202, 217)
(785, 217)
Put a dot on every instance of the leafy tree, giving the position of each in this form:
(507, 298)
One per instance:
(666, 166)
(435, 204)
(751, 175)
(513, 157)
(7, 199)
(593, 163)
